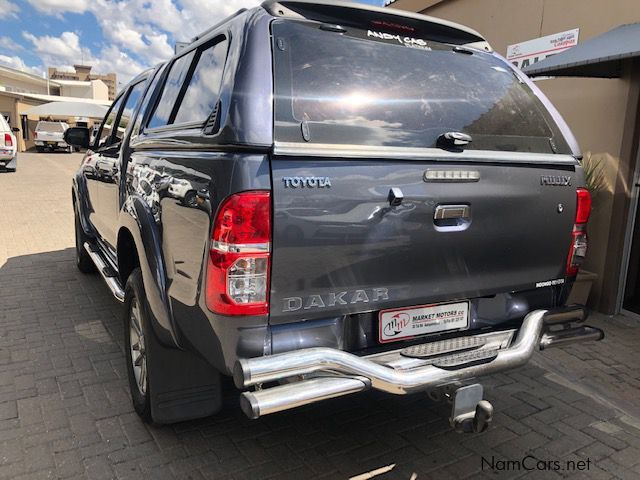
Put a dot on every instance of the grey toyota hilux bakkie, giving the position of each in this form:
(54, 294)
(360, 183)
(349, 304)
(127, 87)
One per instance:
(320, 198)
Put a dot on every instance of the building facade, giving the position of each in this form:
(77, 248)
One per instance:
(20, 91)
(83, 73)
(602, 112)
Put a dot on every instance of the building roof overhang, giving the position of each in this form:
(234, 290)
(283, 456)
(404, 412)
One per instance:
(599, 57)
(39, 99)
(25, 76)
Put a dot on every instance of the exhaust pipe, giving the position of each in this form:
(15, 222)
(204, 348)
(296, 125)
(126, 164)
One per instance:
(291, 395)
(566, 314)
(568, 336)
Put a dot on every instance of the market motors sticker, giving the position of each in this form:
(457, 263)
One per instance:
(405, 323)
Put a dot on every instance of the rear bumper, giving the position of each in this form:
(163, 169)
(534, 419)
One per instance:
(51, 144)
(321, 373)
(9, 161)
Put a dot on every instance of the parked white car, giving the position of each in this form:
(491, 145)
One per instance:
(8, 146)
(50, 136)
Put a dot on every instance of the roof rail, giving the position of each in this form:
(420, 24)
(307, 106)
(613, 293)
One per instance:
(221, 22)
(358, 14)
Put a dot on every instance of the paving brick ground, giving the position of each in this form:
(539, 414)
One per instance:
(65, 410)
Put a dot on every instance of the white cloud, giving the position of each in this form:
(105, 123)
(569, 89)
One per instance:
(112, 59)
(17, 63)
(159, 48)
(64, 50)
(9, 9)
(54, 7)
(137, 33)
(198, 15)
(7, 45)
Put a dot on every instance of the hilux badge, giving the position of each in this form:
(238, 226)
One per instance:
(555, 180)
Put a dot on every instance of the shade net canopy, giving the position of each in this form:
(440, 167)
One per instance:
(68, 109)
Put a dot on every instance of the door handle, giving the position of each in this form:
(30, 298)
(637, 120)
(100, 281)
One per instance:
(105, 167)
(450, 212)
(452, 218)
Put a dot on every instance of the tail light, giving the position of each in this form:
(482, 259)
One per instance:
(8, 141)
(239, 258)
(578, 248)
(35, 135)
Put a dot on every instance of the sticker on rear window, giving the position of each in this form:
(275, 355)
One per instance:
(406, 41)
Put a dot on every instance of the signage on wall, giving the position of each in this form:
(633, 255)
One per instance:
(526, 53)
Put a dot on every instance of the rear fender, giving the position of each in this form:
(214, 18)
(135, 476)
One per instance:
(138, 218)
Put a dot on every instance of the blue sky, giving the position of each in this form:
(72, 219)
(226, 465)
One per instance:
(124, 36)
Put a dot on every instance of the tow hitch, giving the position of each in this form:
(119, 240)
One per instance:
(470, 413)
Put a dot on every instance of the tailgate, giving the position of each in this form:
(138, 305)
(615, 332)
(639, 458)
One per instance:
(339, 246)
(49, 137)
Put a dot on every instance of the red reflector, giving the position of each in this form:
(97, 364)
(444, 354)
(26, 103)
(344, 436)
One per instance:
(577, 251)
(238, 267)
(578, 247)
(583, 209)
(8, 142)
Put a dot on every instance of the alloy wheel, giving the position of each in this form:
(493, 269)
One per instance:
(137, 346)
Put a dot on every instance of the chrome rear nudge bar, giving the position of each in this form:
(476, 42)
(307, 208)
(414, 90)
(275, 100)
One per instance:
(326, 372)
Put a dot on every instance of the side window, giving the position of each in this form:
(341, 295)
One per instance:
(104, 139)
(133, 98)
(172, 86)
(203, 89)
(145, 102)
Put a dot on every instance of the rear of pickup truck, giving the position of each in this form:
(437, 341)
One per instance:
(50, 135)
(428, 217)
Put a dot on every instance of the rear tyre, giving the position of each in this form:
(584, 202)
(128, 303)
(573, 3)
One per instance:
(39, 149)
(136, 333)
(83, 260)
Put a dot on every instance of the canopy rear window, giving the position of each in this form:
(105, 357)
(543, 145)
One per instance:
(49, 127)
(368, 87)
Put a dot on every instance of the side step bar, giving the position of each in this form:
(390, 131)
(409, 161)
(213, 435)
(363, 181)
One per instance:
(326, 373)
(106, 272)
